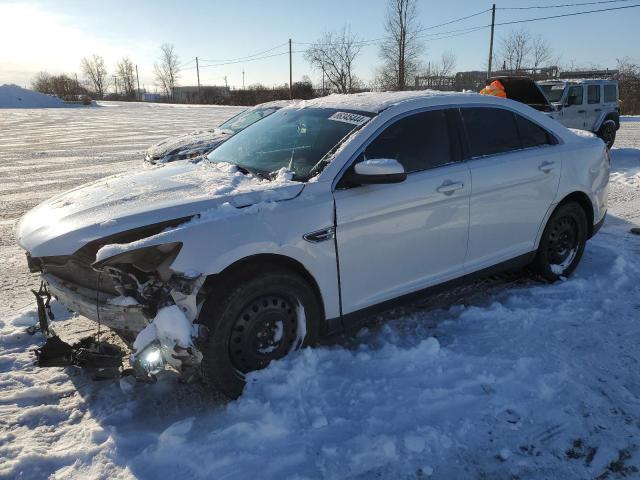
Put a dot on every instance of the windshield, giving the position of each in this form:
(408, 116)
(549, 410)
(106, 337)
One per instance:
(246, 118)
(553, 91)
(294, 138)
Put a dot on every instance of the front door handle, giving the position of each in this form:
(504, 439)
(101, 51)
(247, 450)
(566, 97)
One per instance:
(582, 111)
(547, 166)
(448, 187)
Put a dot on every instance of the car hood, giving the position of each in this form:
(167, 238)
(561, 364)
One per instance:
(203, 138)
(124, 202)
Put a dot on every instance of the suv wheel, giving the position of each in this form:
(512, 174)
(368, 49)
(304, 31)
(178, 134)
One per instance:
(562, 242)
(261, 316)
(607, 133)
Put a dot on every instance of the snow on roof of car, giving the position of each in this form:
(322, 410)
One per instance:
(374, 102)
(277, 103)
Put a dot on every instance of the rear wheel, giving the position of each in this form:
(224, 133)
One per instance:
(259, 317)
(562, 242)
(607, 133)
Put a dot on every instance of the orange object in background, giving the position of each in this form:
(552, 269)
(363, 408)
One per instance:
(495, 88)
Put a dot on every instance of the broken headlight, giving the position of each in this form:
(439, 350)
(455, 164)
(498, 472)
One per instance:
(156, 258)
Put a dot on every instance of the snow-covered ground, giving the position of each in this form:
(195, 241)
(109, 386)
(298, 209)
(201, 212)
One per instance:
(515, 380)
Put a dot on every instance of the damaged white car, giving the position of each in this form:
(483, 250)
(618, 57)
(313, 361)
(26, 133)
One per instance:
(313, 218)
(201, 142)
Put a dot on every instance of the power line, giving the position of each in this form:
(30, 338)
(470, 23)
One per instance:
(568, 14)
(250, 59)
(374, 41)
(565, 5)
(245, 57)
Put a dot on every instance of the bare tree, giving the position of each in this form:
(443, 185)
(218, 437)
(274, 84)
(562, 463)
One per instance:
(541, 52)
(95, 70)
(400, 52)
(167, 70)
(334, 54)
(629, 85)
(447, 64)
(515, 49)
(125, 71)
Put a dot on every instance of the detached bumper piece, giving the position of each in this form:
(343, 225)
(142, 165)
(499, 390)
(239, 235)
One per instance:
(105, 359)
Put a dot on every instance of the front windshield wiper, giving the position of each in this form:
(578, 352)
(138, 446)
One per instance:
(254, 172)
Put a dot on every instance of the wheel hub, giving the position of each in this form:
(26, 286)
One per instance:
(265, 330)
(563, 240)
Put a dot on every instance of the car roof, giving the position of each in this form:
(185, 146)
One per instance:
(577, 80)
(375, 102)
(277, 103)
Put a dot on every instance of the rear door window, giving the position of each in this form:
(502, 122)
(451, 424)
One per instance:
(419, 141)
(610, 95)
(490, 130)
(593, 94)
(532, 135)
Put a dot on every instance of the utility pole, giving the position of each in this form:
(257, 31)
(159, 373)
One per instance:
(138, 82)
(493, 24)
(198, 71)
(226, 85)
(243, 79)
(115, 83)
(290, 73)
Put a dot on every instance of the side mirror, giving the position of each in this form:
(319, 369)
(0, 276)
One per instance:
(377, 171)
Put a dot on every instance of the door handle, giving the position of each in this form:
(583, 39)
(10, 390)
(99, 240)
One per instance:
(546, 167)
(598, 110)
(448, 187)
(582, 111)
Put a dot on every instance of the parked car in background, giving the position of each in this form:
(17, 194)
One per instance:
(202, 142)
(313, 219)
(591, 105)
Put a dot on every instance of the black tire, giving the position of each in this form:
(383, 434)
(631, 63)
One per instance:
(562, 242)
(245, 318)
(607, 133)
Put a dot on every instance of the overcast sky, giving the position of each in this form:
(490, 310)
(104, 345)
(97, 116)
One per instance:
(53, 35)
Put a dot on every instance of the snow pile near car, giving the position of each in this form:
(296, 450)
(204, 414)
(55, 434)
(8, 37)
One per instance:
(14, 96)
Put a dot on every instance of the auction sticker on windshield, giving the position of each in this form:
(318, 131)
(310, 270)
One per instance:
(347, 117)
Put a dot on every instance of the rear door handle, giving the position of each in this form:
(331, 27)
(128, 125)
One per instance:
(448, 187)
(582, 111)
(547, 166)
(598, 110)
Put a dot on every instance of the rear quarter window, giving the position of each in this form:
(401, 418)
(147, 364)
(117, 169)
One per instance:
(610, 95)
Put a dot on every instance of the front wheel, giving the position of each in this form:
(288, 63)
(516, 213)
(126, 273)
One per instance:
(562, 242)
(261, 315)
(607, 133)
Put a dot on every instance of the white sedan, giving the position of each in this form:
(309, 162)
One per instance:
(315, 217)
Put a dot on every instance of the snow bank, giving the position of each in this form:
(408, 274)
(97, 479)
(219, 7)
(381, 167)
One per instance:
(13, 96)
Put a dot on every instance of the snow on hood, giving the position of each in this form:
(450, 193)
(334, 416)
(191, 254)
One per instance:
(115, 204)
(202, 138)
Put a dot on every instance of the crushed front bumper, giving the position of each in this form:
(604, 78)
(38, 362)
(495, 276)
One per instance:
(95, 305)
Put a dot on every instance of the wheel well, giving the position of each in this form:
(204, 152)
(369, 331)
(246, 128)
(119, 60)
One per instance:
(256, 263)
(612, 116)
(584, 201)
